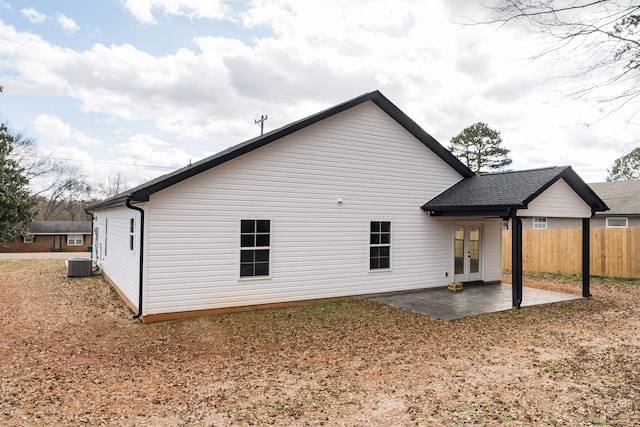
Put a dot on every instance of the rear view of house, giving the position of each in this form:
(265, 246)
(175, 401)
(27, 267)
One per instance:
(330, 206)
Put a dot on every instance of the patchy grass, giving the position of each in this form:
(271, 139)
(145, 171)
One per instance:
(70, 354)
(564, 277)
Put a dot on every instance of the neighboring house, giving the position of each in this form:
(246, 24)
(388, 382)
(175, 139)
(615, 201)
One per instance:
(52, 236)
(354, 200)
(622, 198)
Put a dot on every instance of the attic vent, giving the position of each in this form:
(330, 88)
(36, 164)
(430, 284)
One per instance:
(79, 267)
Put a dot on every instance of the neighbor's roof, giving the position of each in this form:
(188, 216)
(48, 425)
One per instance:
(622, 197)
(142, 192)
(501, 194)
(60, 227)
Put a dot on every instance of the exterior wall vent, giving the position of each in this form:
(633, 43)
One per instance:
(79, 267)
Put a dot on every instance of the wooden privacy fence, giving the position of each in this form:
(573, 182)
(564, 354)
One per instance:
(615, 252)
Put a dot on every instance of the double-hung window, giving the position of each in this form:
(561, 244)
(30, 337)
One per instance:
(74, 239)
(255, 245)
(380, 245)
(540, 223)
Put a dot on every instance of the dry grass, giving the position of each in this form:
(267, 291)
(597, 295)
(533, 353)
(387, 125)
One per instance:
(71, 355)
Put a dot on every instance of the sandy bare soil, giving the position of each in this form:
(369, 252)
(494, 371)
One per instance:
(70, 354)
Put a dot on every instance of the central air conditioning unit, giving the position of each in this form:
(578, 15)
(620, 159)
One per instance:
(79, 267)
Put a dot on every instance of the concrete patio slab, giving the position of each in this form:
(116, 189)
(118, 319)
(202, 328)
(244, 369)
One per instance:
(472, 301)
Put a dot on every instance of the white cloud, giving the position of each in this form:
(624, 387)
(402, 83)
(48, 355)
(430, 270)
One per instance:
(143, 10)
(145, 150)
(51, 128)
(312, 55)
(67, 24)
(34, 16)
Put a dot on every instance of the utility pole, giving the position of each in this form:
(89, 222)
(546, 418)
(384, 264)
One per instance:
(261, 121)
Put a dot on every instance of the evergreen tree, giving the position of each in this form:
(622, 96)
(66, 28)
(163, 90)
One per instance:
(480, 148)
(17, 205)
(625, 168)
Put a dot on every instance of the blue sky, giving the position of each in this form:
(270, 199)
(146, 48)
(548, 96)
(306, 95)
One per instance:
(139, 87)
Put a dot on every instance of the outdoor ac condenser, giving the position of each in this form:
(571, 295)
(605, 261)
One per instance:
(79, 267)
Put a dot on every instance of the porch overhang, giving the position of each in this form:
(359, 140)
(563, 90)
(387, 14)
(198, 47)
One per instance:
(483, 212)
(508, 195)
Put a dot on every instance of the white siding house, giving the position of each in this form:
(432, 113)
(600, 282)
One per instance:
(326, 207)
(113, 252)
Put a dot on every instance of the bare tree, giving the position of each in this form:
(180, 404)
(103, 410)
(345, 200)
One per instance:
(113, 185)
(59, 186)
(64, 199)
(602, 35)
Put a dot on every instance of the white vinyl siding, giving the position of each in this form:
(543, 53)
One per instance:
(559, 200)
(120, 263)
(492, 250)
(321, 246)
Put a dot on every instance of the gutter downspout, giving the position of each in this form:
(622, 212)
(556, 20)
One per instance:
(92, 242)
(140, 277)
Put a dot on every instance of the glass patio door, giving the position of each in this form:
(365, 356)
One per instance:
(466, 252)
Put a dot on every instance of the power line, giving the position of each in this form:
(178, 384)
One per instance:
(104, 162)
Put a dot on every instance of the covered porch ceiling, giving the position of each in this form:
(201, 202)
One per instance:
(548, 192)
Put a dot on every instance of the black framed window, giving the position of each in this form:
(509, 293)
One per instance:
(132, 228)
(255, 244)
(380, 245)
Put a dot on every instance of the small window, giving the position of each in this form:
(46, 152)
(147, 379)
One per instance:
(380, 245)
(539, 223)
(106, 232)
(255, 244)
(27, 239)
(75, 239)
(617, 222)
(132, 227)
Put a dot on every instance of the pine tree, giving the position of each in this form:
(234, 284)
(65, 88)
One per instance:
(480, 148)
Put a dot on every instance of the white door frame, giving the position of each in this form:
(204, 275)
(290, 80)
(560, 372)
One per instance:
(467, 251)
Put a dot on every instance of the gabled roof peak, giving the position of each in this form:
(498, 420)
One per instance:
(524, 171)
(501, 194)
(142, 192)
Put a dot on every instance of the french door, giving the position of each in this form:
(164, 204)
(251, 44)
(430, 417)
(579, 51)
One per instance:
(467, 253)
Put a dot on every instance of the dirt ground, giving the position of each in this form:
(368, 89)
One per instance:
(70, 354)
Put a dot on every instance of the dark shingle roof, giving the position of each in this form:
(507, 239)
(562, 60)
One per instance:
(622, 197)
(60, 227)
(142, 192)
(499, 194)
